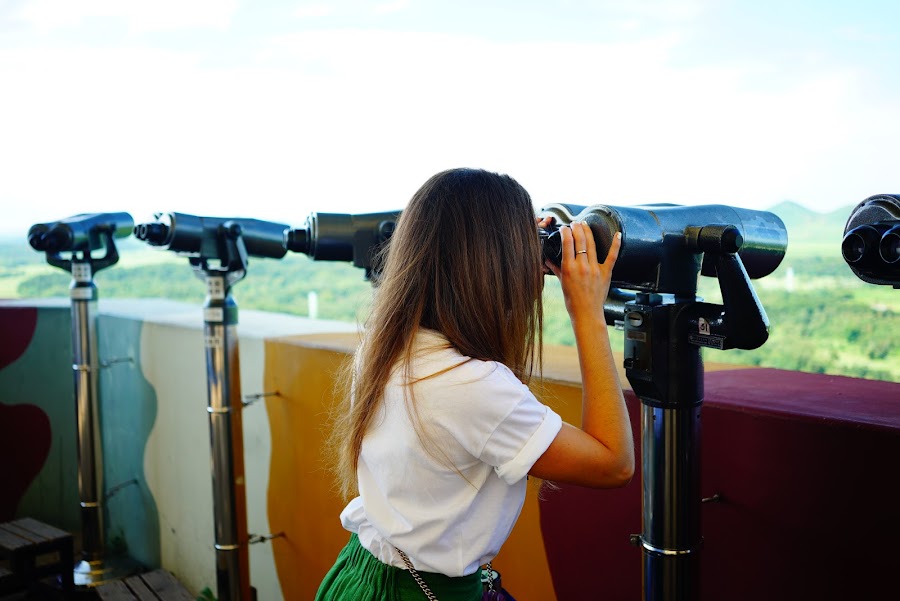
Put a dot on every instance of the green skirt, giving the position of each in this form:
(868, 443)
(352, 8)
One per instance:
(357, 575)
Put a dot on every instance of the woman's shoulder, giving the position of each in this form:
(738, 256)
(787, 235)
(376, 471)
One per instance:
(451, 388)
(435, 353)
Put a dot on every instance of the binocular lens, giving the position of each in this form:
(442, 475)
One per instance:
(868, 245)
(551, 245)
(871, 245)
(52, 240)
(853, 248)
(152, 233)
(890, 245)
(36, 236)
(297, 240)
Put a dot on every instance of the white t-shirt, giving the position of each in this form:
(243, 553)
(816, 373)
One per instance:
(482, 423)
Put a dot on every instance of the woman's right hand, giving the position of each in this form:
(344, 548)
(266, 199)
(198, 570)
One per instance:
(585, 281)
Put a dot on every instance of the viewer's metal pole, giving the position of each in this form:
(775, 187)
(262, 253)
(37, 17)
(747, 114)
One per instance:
(666, 372)
(83, 293)
(220, 318)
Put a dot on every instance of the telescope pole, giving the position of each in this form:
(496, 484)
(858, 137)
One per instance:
(220, 318)
(83, 293)
(666, 372)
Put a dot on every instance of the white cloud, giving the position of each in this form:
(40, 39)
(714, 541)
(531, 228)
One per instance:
(313, 10)
(856, 33)
(158, 15)
(586, 121)
(354, 121)
(391, 7)
(348, 7)
(664, 10)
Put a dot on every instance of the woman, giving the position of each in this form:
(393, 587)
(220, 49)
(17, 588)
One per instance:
(442, 430)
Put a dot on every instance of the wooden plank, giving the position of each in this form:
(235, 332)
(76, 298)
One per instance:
(10, 541)
(23, 533)
(166, 587)
(41, 529)
(115, 591)
(140, 589)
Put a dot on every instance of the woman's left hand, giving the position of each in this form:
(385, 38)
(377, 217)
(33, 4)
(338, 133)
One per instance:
(544, 223)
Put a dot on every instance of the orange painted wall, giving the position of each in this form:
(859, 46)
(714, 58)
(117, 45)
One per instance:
(301, 499)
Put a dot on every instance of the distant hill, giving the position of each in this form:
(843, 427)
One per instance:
(808, 226)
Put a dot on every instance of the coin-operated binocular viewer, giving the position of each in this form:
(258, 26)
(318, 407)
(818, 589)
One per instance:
(871, 245)
(340, 237)
(70, 244)
(218, 249)
(664, 249)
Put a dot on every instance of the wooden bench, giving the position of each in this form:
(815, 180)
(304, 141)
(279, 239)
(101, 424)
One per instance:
(6, 581)
(158, 585)
(35, 550)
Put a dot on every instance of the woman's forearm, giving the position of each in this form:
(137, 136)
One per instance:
(603, 412)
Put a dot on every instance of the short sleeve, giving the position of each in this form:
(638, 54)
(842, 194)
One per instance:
(521, 438)
(491, 414)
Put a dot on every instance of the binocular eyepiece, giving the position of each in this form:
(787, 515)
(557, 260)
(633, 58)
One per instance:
(79, 233)
(871, 245)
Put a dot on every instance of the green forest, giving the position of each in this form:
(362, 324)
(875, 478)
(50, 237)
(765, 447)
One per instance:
(823, 318)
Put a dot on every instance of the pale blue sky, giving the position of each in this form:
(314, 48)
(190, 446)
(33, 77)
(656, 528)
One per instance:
(273, 109)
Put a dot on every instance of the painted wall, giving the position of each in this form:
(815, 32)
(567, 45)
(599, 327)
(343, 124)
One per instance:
(38, 379)
(159, 509)
(128, 409)
(155, 432)
(803, 465)
(152, 393)
(176, 459)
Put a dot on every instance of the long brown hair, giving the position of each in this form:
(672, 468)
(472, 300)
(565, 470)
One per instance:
(464, 260)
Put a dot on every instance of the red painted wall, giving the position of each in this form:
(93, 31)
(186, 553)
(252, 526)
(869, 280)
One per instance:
(807, 466)
(24, 429)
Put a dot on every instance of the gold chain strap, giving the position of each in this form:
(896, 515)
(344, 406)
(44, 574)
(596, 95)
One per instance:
(428, 594)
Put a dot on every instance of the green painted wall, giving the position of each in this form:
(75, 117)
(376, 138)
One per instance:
(128, 408)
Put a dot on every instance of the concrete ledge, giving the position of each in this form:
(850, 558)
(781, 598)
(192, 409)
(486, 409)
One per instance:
(254, 324)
